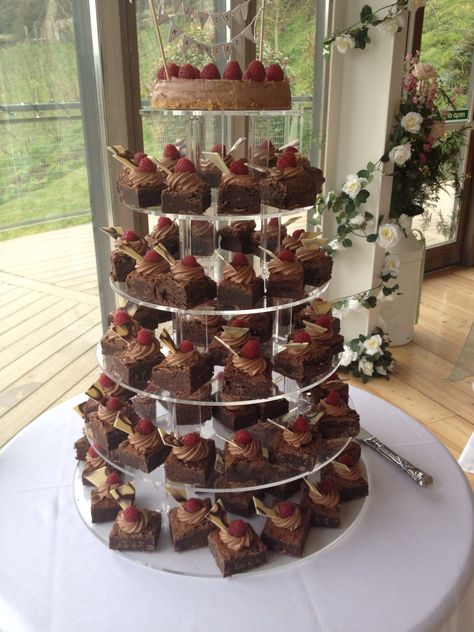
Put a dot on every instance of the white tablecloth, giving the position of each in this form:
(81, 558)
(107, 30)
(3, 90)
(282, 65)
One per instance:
(406, 565)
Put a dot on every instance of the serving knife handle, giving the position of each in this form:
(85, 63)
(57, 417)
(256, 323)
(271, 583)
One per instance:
(417, 475)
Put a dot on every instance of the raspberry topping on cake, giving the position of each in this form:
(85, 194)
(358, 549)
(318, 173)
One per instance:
(232, 71)
(237, 528)
(298, 233)
(274, 221)
(192, 505)
(220, 149)
(302, 336)
(144, 427)
(113, 478)
(274, 73)
(190, 439)
(114, 404)
(139, 156)
(210, 71)
(186, 72)
(92, 452)
(286, 161)
(239, 168)
(120, 317)
(144, 337)
(243, 437)
(130, 235)
(326, 485)
(333, 399)
(173, 71)
(291, 150)
(171, 151)
(189, 261)
(105, 381)
(301, 424)
(237, 322)
(186, 346)
(345, 459)
(151, 256)
(251, 350)
(184, 164)
(146, 166)
(239, 260)
(130, 514)
(164, 221)
(286, 255)
(285, 509)
(324, 321)
(256, 71)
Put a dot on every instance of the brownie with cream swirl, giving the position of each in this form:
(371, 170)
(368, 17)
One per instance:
(337, 418)
(186, 285)
(191, 459)
(248, 375)
(286, 529)
(239, 191)
(289, 186)
(322, 500)
(184, 370)
(244, 459)
(134, 364)
(347, 478)
(297, 446)
(188, 525)
(185, 193)
(240, 286)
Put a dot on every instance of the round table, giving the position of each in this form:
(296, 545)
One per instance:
(407, 565)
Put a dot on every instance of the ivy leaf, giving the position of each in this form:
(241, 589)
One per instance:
(368, 216)
(372, 301)
(347, 243)
(363, 196)
(364, 173)
(366, 14)
(371, 238)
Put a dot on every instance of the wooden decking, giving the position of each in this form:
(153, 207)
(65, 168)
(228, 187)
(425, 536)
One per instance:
(51, 325)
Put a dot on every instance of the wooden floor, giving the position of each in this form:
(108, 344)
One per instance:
(51, 325)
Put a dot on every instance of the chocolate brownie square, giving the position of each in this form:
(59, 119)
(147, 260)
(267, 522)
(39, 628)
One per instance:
(245, 461)
(189, 527)
(186, 202)
(183, 373)
(81, 446)
(243, 296)
(286, 452)
(183, 293)
(237, 237)
(285, 540)
(230, 561)
(236, 417)
(202, 329)
(146, 458)
(238, 194)
(104, 507)
(324, 507)
(194, 472)
(144, 540)
(305, 365)
(242, 385)
(348, 480)
(240, 503)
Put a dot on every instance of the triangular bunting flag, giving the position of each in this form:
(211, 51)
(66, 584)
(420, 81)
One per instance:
(209, 52)
(203, 17)
(228, 18)
(216, 18)
(216, 50)
(227, 48)
(237, 42)
(187, 42)
(244, 8)
(176, 5)
(248, 33)
(163, 17)
(174, 32)
(237, 15)
(188, 11)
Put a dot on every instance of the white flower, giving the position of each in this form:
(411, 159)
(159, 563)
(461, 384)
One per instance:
(414, 5)
(405, 221)
(400, 154)
(344, 43)
(373, 345)
(391, 26)
(366, 366)
(353, 185)
(411, 122)
(380, 370)
(392, 265)
(348, 356)
(358, 220)
(388, 236)
(423, 71)
(354, 305)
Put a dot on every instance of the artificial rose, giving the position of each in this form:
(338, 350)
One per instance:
(353, 304)
(344, 43)
(391, 26)
(358, 220)
(353, 185)
(411, 122)
(392, 265)
(437, 130)
(366, 367)
(423, 71)
(400, 154)
(373, 345)
(348, 356)
(404, 222)
(388, 236)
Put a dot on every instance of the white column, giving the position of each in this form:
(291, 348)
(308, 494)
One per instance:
(363, 97)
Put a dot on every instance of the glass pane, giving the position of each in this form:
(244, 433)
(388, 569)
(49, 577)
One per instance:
(47, 254)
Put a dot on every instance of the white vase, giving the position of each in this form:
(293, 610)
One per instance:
(401, 313)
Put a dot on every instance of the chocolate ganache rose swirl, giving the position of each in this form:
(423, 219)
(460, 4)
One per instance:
(162, 232)
(236, 340)
(291, 243)
(113, 391)
(233, 542)
(301, 350)
(244, 224)
(187, 274)
(149, 268)
(324, 499)
(200, 228)
(138, 526)
(286, 268)
(105, 415)
(347, 473)
(209, 320)
(249, 366)
(191, 518)
(333, 409)
(180, 358)
(249, 451)
(142, 179)
(184, 181)
(243, 275)
(145, 442)
(189, 454)
(95, 461)
(139, 244)
(137, 351)
(287, 173)
(297, 439)
(169, 163)
(243, 179)
(291, 522)
(307, 256)
(104, 489)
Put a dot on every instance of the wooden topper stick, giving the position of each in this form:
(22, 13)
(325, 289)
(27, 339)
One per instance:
(158, 35)
(228, 347)
(160, 165)
(260, 55)
(237, 143)
(214, 157)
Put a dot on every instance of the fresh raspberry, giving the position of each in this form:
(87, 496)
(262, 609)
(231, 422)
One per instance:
(189, 261)
(274, 221)
(256, 71)
(113, 478)
(232, 71)
(291, 150)
(121, 317)
(139, 156)
(105, 381)
(239, 168)
(197, 73)
(164, 221)
(324, 321)
(130, 235)
(114, 404)
(302, 336)
(301, 424)
(239, 260)
(274, 73)
(220, 149)
(171, 151)
(285, 509)
(144, 427)
(151, 256)
(333, 399)
(325, 486)
(210, 71)
(286, 161)
(186, 72)
(345, 459)
(190, 439)
(251, 350)
(192, 505)
(146, 166)
(173, 71)
(130, 514)
(92, 452)
(237, 528)
(286, 255)
(144, 337)
(186, 346)
(298, 233)
(237, 322)
(184, 164)
(243, 437)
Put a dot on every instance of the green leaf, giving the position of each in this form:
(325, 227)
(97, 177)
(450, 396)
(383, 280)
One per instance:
(347, 243)
(368, 216)
(363, 173)
(370, 166)
(366, 13)
(371, 238)
(363, 195)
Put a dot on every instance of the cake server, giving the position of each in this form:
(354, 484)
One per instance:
(419, 476)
